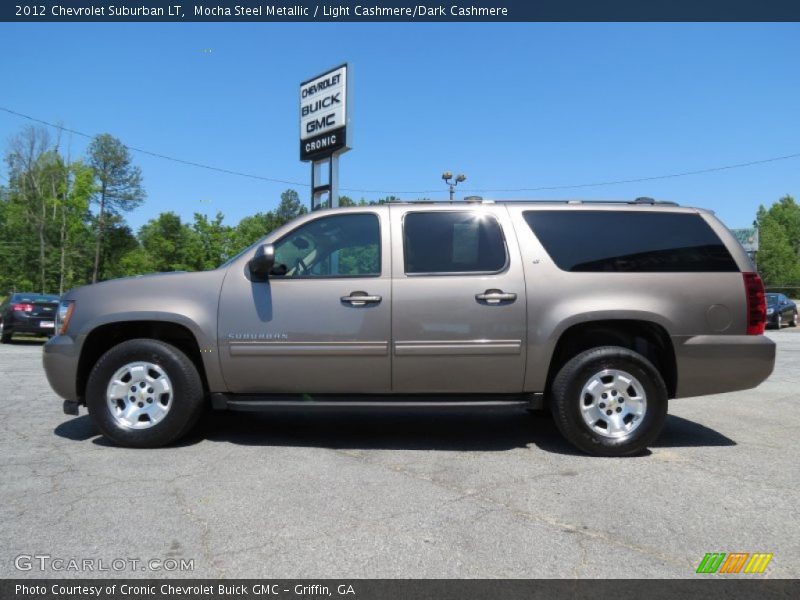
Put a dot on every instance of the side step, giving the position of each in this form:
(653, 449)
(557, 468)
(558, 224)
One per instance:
(254, 403)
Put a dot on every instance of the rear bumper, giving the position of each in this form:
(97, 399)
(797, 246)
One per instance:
(714, 364)
(60, 359)
(34, 328)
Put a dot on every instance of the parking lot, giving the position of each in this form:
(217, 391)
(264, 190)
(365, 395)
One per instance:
(402, 494)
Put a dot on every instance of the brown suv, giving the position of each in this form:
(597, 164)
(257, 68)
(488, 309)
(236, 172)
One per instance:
(601, 311)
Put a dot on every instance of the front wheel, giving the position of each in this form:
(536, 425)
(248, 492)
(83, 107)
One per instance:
(609, 401)
(793, 322)
(144, 393)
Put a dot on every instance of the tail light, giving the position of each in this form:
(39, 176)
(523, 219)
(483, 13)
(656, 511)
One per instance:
(22, 307)
(756, 304)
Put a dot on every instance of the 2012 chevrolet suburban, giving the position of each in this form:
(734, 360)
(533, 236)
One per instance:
(601, 312)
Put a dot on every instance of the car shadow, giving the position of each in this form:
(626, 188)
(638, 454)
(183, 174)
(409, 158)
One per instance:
(477, 430)
(78, 429)
(464, 430)
(683, 433)
(28, 341)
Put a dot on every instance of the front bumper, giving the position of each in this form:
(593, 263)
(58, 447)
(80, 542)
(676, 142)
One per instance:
(60, 358)
(714, 364)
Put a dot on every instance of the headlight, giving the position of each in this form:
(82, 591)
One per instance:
(63, 315)
(770, 311)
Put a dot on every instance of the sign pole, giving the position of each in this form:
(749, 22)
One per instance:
(324, 120)
(333, 162)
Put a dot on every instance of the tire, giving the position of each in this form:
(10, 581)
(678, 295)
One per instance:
(793, 322)
(779, 322)
(577, 400)
(167, 401)
(5, 336)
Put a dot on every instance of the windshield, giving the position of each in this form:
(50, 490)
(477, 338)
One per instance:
(772, 299)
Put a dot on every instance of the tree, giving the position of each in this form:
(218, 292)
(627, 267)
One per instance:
(36, 171)
(73, 208)
(167, 242)
(119, 185)
(779, 243)
(289, 207)
(211, 242)
(252, 228)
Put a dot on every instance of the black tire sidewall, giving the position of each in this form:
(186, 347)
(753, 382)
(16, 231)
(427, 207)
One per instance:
(567, 389)
(187, 400)
(5, 337)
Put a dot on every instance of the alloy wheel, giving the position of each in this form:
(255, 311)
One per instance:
(139, 395)
(613, 403)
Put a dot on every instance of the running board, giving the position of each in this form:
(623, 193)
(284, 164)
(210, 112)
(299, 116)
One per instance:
(242, 402)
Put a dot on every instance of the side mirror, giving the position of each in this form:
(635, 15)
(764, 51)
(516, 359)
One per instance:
(261, 264)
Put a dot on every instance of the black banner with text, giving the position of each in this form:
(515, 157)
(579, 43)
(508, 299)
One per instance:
(396, 589)
(397, 11)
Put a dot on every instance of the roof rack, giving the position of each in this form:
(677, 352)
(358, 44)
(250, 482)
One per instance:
(644, 200)
(647, 200)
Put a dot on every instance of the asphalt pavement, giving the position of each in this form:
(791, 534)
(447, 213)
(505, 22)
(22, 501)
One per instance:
(394, 493)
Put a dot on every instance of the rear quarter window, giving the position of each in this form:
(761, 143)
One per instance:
(630, 242)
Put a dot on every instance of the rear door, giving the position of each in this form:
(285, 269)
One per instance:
(458, 291)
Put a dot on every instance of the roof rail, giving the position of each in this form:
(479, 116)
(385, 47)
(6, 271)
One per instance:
(473, 200)
(647, 200)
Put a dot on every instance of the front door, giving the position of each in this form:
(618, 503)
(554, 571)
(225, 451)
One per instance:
(321, 323)
(458, 297)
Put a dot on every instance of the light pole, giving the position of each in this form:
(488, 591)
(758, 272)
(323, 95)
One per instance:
(447, 176)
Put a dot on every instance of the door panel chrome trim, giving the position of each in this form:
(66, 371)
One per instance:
(309, 349)
(457, 348)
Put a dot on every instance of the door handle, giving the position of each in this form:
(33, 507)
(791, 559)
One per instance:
(360, 299)
(495, 297)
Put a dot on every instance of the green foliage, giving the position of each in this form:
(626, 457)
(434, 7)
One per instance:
(359, 259)
(779, 243)
(289, 207)
(119, 187)
(51, 240)
(119, 182)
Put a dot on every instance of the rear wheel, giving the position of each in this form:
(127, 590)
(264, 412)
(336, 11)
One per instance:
(5, 335)
(144, 393)
(609, 401)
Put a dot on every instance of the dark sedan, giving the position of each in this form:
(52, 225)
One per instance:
(781, 311)
(28, 313)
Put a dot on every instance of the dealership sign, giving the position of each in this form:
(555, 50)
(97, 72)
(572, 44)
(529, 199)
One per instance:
(323, 115)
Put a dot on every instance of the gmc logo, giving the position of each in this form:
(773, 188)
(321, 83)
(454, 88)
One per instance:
(321, 123)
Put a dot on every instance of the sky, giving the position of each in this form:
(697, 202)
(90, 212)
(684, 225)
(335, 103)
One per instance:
(513, 105)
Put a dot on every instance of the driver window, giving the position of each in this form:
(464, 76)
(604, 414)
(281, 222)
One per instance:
(335, 246)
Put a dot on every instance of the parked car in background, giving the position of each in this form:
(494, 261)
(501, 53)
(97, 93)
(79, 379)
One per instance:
(781, 311)
(28, 312)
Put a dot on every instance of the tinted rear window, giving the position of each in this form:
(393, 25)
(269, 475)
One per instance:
(627, 241)
(453, 242)
(34, 298)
